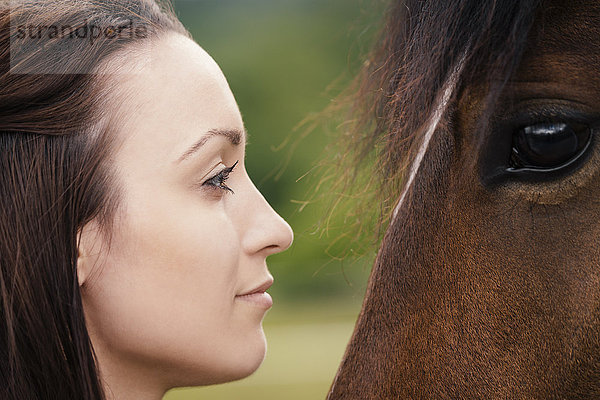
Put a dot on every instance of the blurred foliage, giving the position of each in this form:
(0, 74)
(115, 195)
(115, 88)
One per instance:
(286, 61)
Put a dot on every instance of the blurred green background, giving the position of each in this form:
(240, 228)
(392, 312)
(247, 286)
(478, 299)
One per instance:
(285, 61)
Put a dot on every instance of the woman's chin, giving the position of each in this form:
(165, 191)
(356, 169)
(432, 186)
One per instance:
(239, 364)
(249, 359)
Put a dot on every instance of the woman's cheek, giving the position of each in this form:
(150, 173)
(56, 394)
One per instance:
(168, 275)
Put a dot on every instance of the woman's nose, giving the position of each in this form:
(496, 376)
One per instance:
(267, 232)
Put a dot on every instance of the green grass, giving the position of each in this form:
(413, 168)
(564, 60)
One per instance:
(306, 344)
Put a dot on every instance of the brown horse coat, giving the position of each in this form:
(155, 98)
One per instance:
(487, 284)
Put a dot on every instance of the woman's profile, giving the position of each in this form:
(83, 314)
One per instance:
(132, 240)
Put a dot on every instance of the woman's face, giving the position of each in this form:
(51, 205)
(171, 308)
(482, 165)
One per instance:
(171, 300)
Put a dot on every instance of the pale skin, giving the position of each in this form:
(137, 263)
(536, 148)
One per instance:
(164, 305)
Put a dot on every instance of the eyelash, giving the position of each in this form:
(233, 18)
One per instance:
(218, 180)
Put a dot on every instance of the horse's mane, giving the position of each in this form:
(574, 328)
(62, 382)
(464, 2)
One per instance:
(396, 94)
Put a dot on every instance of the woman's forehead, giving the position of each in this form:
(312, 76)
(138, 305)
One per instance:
(179, 95)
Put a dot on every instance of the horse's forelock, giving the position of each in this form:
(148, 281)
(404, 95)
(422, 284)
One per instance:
(409, 74)
(431, 127)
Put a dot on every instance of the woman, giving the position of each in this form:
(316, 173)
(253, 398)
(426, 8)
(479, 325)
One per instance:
(132, 241)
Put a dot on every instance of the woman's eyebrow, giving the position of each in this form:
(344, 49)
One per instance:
(234, 135)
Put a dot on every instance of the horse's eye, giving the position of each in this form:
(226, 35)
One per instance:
(548, 146)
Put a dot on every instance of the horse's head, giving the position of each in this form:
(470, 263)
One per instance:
(487, 283)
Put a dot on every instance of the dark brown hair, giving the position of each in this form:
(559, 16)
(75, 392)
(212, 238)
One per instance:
(56, 139)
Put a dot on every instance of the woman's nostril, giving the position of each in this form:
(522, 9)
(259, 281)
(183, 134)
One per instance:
(273, 248)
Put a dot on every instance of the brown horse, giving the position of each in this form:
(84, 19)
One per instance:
(487, 282)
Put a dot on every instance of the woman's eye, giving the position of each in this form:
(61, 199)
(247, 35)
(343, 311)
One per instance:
(548, 146)
(218, 180)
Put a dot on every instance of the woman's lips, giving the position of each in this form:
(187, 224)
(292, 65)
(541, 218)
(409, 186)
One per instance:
(258, 295)
(262, 299)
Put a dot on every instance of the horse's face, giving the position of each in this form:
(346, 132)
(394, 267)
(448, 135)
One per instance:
(488, 281)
